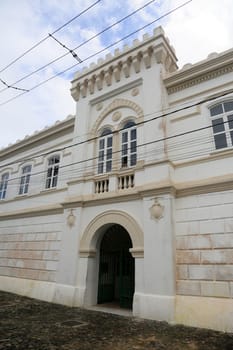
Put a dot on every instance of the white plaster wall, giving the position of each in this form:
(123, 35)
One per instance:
(155, 284)
(40, 254)
(13, 200)
(156, 301)
(149, 99)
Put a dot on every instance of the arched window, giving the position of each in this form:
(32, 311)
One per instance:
(3, 185)
(25, 179)
(222, 124)
(52, 172)
(129, 145)
(105, 152)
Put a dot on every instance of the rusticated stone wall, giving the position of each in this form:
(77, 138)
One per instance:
(204, 245)
(30, 251)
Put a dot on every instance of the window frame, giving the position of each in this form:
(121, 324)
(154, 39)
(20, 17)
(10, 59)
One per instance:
(52, 171)
(105, 151)
(25, 179)
(222, 124)
(3, 185)
(128, 141)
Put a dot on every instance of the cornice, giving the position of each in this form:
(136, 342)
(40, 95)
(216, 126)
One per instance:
(154, 49)
(44, 192)
(120, 172)
(104, 198)
(212, 156)
(214, 66)
(120, 196)
(38, 137)
(177, 190)
(217, 184)
(32, 212)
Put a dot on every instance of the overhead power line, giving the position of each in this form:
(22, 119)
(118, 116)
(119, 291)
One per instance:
(140, 156)
(209, 99)
(83, 43)
(42, 40)
(65, 47)
(99, 52)
(12, 87)
(73, 173)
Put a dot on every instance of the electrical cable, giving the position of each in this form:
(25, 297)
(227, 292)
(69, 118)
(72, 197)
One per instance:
(12, 87)
(47, 37)
(73, 176)
(208, 99)
(119, 151)
(73, 173)
(65, 47)
(97, 53)
(82, 44)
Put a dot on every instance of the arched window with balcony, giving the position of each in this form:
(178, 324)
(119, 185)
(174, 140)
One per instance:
(129, 145)
(105, 152)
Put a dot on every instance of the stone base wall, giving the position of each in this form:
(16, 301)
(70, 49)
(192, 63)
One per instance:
(30, 249)
(204, 260)
(205, 312)
(204, 243)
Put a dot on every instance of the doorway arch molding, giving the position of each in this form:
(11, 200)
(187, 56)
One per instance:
(92, 233)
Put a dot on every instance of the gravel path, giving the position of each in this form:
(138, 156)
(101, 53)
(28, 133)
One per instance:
(31, 324)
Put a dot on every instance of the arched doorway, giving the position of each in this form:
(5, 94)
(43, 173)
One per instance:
(116, 268)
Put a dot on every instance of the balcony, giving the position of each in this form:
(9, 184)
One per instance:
(114, 183)
(125, 181)
(102, 186)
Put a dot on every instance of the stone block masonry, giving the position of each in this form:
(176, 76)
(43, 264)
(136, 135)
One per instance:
(204, 246)
(30, 255)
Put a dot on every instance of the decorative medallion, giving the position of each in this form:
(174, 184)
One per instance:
(71, 219)
(116, 116)
(135, 91)
(156, 210)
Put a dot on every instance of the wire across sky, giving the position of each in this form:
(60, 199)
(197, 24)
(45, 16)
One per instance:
(95, 54)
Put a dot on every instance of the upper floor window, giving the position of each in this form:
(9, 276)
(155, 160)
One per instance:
(222, 124)
(25, 179)
(129, 145)
(105, 152)
(3, 185)
(52, 172)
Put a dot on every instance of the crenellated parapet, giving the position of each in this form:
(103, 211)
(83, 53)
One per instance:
(124, 64)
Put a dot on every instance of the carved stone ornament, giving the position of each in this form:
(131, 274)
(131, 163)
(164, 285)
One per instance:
(156, 210)
(135, 91)
(116, 116)
(71, 218)
(99, 106)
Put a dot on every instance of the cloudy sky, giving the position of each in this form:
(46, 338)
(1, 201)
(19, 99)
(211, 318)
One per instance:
(195, 30)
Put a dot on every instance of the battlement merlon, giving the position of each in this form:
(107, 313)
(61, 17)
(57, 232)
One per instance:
(125, 63)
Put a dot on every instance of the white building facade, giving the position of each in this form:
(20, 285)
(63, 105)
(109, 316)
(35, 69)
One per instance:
(129, 201)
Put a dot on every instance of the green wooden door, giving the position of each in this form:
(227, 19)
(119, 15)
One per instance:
(126, 279)
(107, 271)
(116, 278)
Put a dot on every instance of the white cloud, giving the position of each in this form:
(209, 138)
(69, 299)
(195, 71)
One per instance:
(200, 28)
(197, 29)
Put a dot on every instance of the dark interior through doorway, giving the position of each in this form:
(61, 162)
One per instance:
(116, 268)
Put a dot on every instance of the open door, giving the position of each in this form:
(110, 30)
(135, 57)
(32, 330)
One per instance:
(116, 269)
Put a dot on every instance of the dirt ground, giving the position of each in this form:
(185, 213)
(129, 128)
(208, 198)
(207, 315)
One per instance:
(31, 324)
